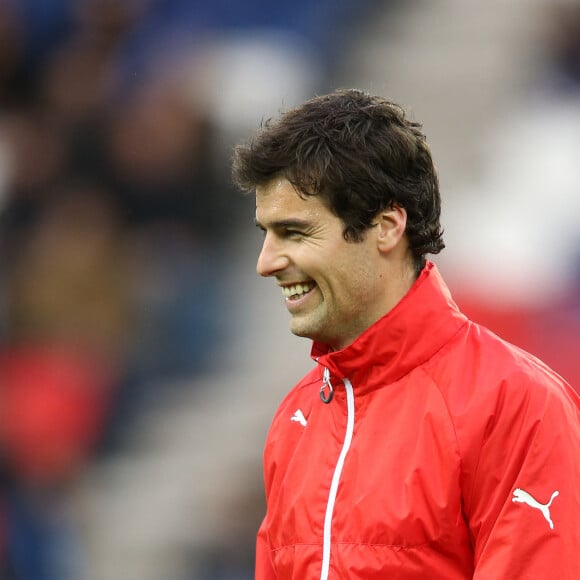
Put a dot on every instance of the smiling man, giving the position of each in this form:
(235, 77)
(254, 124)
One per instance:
(334, 289)
(420, 445)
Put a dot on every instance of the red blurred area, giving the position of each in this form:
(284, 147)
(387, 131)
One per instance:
(53, 403)
(550, 332)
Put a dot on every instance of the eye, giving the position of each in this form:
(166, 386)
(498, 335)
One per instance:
(293, 234)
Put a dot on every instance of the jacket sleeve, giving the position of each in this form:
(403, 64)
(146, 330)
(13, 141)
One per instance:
(523, 500)
(264, 569)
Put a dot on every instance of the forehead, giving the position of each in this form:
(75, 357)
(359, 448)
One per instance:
(279, 199)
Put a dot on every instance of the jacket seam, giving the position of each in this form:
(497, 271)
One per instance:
(444, 399)
(367, 544)
(380, 545)
(436, 383)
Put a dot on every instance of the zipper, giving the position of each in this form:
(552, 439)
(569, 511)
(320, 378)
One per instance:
(327, 533)
(326, 384)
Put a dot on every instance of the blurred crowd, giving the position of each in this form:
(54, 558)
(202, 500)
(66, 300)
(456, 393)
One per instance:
(114, 217)
(513, 231)
(117, 220)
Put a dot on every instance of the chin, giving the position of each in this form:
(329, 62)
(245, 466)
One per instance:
(306, 327)
(310, 334)
(303, 331)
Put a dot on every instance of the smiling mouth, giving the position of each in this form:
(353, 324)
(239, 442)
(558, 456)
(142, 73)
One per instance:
(296, 291)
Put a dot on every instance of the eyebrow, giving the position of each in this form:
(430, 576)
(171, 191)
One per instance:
(284, 224)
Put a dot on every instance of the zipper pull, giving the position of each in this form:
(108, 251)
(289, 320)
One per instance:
(326, 384)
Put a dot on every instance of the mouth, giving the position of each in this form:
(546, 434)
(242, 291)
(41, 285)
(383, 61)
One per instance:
(294, 292)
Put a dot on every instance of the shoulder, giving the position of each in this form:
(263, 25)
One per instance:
(479, 365)
(492, 386)
(514, 418)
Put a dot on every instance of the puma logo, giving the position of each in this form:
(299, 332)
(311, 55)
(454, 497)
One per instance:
(299, 418)
(522, 496)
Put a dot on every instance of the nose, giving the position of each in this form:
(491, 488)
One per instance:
(272, 258)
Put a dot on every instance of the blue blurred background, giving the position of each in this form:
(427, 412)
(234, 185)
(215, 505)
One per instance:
(141, 358)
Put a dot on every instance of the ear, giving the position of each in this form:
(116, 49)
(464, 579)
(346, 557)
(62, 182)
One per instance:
(392, 224)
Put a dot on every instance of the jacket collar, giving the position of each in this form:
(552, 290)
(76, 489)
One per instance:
(423, 321)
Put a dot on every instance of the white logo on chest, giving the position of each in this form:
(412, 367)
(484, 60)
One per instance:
(522, 496)
(299, 418)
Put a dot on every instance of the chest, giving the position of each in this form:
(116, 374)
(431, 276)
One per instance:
(383, 470)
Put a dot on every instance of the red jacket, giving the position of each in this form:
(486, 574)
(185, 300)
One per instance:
(445, 453)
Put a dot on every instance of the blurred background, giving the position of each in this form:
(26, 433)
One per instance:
(141, 357)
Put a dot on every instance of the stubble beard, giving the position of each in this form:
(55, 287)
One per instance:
(309, 325)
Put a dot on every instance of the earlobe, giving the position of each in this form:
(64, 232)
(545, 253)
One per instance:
(392, 224)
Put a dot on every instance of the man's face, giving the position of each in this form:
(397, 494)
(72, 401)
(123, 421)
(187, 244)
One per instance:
(332, 288)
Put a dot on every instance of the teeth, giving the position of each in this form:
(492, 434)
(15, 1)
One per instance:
(297, 289)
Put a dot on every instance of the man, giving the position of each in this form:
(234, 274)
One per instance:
(421, 445)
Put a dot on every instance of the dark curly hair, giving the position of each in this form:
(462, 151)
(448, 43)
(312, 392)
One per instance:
(359, 153)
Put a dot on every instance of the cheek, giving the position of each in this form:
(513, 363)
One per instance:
(354, 284)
